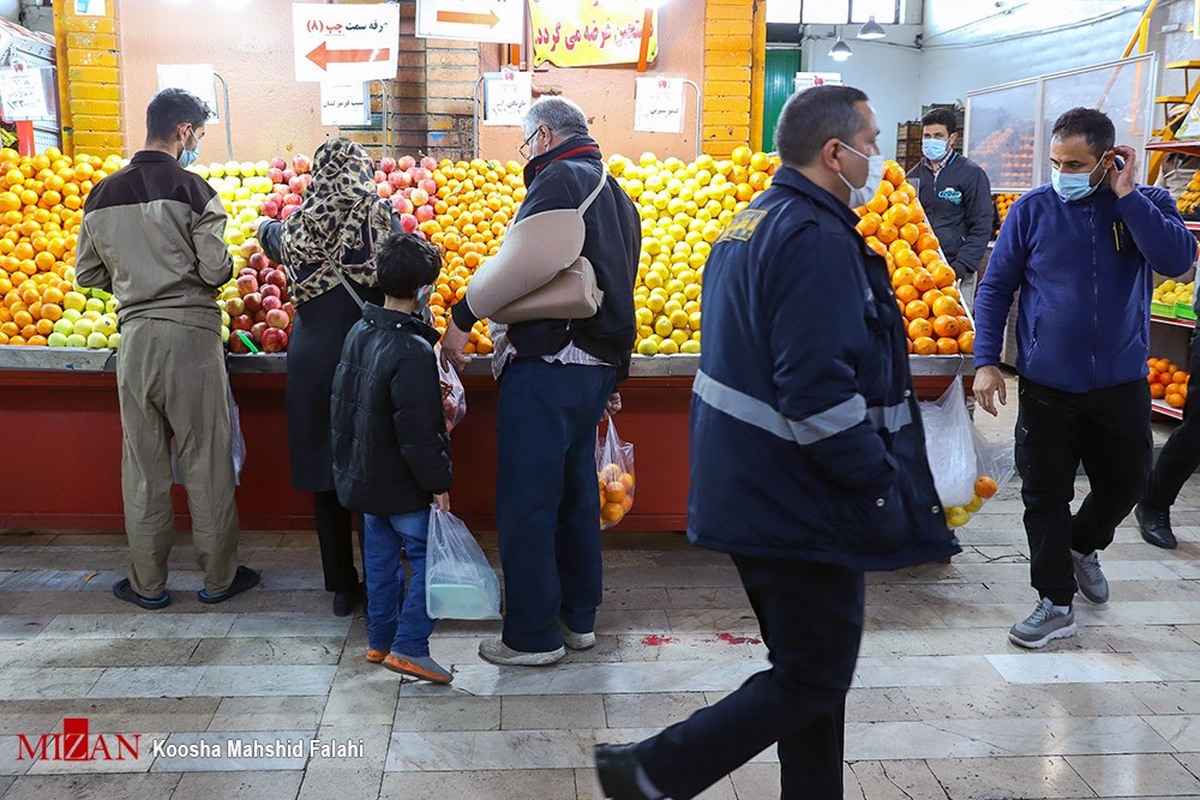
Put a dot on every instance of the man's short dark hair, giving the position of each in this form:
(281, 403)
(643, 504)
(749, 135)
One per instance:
(171, 108)
(406, 262)
(812, 117)
(1091, 124)
(941, 116)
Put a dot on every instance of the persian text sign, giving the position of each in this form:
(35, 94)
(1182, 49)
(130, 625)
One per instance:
(25, 94)
(582, 33)
(506, 97)
(658, 107)
(346, 43)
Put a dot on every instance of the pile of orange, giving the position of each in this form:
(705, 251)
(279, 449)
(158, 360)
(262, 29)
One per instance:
(1003, 204)
(894, 226)
(41, 204)
(1167, 382)
(616, 494)
(475, 203)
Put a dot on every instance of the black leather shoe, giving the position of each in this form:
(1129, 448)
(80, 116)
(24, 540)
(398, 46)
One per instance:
(343, 603)
(617, 767)
(1155, 525)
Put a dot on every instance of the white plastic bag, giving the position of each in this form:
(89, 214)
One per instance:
(614, 474)
(950, 445)
(994, 460)
(459, 582)
(239, 443)
(454, 395)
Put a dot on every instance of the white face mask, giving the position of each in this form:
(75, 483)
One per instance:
(862, 195)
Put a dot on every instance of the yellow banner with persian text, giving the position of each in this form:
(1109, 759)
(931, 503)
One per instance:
(586, 33)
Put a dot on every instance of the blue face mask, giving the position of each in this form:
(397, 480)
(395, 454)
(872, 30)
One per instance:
(934, 149)
(190, 155)
(1072, 186)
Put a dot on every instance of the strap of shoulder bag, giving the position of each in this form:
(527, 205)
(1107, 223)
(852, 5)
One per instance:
(595, 192)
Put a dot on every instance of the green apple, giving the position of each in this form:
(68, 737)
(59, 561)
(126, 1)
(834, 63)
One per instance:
(72, 315)
(114, 341)
(225, 318)
(97, 341)
(76, 340)
(261, 167)
(111, 305)
(65, 326)
(233, 168)
(94, 304)
(84, 328)
(199, 170)
(224, 333)
(91, 315)
(57, 339)
(69, 275)
(215, 171)
(106, 326)
(74, 301)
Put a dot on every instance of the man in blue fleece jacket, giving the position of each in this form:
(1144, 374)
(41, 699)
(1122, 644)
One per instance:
(1082, 251)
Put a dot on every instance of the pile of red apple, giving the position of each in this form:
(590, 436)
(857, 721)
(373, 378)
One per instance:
(262, 308)
(289, 185)
(411, 187)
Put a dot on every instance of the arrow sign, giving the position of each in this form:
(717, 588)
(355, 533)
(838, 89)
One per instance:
(465, 18)
(322, 56)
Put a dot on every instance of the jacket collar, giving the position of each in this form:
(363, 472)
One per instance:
(786, 176)
(143, 156)
(381, 317)
(577, 148)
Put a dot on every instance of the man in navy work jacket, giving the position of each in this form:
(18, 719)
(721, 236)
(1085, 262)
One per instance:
(808, 457)
(1082, 251)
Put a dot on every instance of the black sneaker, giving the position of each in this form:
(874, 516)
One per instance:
(1155, 525)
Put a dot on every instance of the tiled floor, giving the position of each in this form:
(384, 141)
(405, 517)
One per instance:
(943, 705)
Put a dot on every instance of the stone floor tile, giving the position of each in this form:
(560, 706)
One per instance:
(878, 705)
(265, 681)
(90, 787)
(238, 785)
(458, 712)
(891, 780)
(147, 682)
(651, 710)
(1045, 667)
(423, 751)
(49, 683)
(631, 677)
(114, 652)
(925, 671)
(1181, 730)
(289, 624)
(1133, 775)
(507, 784)
(1173, 666)
(286, 650)
(990, 778)
(552, 711)
(267, 713)
(587, 787)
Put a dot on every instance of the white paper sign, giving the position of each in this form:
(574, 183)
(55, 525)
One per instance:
(23, 95)
(658, 107)
(507, 96)
(345, 104)
(90, 8)
(345, 43)
(194, 78)
(500, 21)
(807, 80)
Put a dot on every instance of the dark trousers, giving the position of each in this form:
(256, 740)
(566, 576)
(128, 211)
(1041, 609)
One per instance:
(1180, 456)
(334, 524)
(811, 617)
(1108, 430)
(547, 503)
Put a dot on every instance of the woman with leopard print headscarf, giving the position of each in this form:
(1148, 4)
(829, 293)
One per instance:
(328, 249)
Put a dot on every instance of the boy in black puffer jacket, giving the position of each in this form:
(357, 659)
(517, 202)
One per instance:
(391, 454)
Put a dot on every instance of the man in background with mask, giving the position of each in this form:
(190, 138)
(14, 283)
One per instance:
(956, 195)
(1082, 252)
(153, 236)
(808, 460)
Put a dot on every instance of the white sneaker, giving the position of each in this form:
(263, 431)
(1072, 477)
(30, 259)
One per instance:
(577, 641)
(497, 652)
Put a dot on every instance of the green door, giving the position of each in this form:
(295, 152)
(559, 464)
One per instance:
(782, 66)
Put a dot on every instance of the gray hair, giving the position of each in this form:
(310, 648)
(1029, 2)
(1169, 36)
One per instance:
(562, 116)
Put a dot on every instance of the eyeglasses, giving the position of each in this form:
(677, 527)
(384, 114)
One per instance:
(525, 150)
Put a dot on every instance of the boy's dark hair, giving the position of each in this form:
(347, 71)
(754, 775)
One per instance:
(942, 116)
(171, 108)
(406, 262)
(812, 117)
(1092, 125)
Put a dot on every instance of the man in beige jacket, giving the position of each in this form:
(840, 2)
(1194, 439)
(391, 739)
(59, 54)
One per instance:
(153, 235)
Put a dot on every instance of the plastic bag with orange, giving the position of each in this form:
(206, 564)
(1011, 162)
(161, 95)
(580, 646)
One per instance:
(614, 474)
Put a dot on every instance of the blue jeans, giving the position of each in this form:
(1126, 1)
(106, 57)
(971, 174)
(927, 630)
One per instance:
(547, 505)
(396, 619)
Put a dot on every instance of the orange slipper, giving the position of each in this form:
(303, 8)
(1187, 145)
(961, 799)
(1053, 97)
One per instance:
(422, 667)
(376, 656)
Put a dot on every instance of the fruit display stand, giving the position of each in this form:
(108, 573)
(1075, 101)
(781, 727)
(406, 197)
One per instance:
(61, 424)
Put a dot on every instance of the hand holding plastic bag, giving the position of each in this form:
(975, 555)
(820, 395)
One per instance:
(454, 395)
(614, 473)
(459, 582)
(950, 445)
